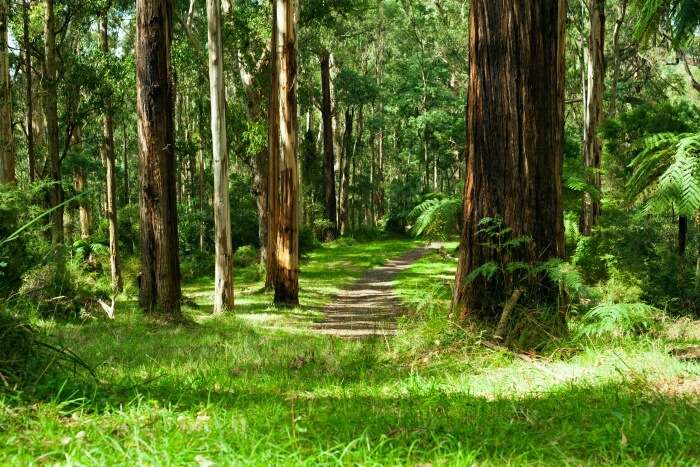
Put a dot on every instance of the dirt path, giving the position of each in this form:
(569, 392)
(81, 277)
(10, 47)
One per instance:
(369, 306)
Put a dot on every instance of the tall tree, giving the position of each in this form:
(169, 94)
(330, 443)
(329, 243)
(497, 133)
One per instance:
(53, 159)
(28, 75)
(160, 264)
(328, 153)
(7, 146)
(287, 251)
(344, 212)
(593, 112)
(108, 156)
(223, 280)
(515, 135)
(273, 143)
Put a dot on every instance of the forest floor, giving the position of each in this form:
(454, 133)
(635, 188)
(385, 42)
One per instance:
(262, 387)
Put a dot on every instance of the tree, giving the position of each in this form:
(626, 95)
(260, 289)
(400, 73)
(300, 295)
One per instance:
(515, 143)
(53, 159)
(328, 153)
(31, 158)
(108, 157)
(160, 264)
(593, 112)
(287, 249)
(7, 146)
(273, 143)
(223, 280)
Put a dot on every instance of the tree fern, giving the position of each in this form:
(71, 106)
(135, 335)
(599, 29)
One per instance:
(680, 17)
(437, 217)
(667, 171)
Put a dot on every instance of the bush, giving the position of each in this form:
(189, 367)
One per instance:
(197, 264)
(246, 255)
(307, 239)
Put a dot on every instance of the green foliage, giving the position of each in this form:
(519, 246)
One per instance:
(246, 255)
(437, 217)
(618, 320)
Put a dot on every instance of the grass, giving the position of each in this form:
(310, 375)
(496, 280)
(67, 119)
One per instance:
(257, 388)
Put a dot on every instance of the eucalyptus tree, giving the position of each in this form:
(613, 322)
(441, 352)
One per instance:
(160, 264)
(7, 147)
(223, 274)
(515, 145)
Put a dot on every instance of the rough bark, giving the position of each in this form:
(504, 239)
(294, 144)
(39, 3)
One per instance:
(28, 75)
(345, 173)
(287, 249)
(55, 195)
(223, 273)
(328, 153)
(160, 264)
(515, 136)
(273, 138)
(109, 158)
(7, 145)
(616, 59)
(593, 113)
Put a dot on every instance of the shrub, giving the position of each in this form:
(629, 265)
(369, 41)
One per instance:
(246, 255)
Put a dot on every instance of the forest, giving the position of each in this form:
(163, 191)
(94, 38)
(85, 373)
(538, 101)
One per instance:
(350, 232)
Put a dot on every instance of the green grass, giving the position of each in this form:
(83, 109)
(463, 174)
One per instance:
(258, 388)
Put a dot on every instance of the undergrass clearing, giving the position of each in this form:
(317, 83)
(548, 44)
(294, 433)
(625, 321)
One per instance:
(258, 388)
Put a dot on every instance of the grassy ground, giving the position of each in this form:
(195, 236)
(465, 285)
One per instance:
(258, 388)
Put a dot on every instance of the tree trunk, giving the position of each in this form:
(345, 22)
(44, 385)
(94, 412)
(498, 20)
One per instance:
(593, 113)
(223, 273)
(160, 264)
(7, 145)
(287, 253)
(80, 185)
(127, 191)
(345, 174)
(110, 161)
(31, 157)
(622, 13)
(273, 138)
(682, 234)
(328, 153)
(55, 195)
(515, 136)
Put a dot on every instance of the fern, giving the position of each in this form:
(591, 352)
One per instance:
(667, 171)
(618, 319)
(680, 17)
(436, 217)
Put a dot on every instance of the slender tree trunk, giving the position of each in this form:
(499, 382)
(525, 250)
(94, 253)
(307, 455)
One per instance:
(274, 152)
(616, 62)
(31, 157)
(7, 145)
(287, 252)
(345, 173)
(682, 234)
(515, 136)
(125, 162)
(160, 264)
(80, 184)
(223, 274)
(328, 153)
(593, 113)
(110, 160)
(55, 197)
(201, 188)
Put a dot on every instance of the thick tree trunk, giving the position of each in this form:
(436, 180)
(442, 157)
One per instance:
(287, 250)
(345, 173)
(328, 153)
(7, 145)
(31, 157)
(51, 116)
(223, 273)
(110, 161)
(593, 113)
(273, 143)
(515, 135)
(160, 264)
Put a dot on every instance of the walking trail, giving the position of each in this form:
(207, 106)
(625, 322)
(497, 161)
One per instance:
(369, 306)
